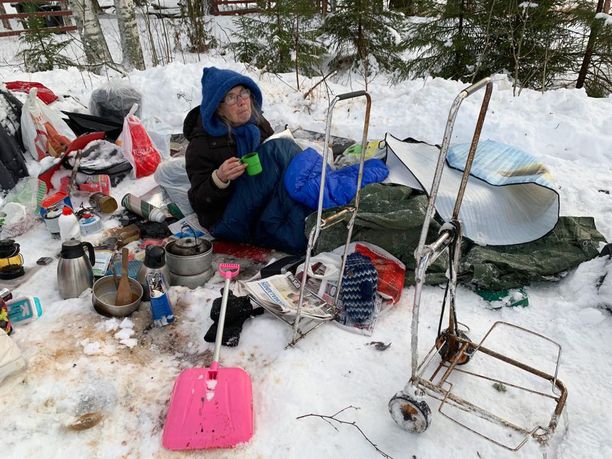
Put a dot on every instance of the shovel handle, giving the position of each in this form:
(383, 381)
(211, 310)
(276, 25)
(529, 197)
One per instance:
(229, 270)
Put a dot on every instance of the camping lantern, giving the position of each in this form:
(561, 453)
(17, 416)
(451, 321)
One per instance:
(11, 261)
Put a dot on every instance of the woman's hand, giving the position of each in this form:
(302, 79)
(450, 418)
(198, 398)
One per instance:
(231, 169)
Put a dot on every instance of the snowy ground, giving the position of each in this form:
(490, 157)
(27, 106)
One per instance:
(77, 363)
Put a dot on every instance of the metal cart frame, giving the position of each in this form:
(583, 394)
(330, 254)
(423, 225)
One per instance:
(349, 212)
(452, 345)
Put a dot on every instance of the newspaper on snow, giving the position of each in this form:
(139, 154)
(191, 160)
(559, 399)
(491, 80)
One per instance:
(281, 294)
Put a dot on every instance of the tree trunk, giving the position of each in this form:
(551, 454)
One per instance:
(94, 43)
(606, 6)
(130, 39)
(588, 53)
(5, 22)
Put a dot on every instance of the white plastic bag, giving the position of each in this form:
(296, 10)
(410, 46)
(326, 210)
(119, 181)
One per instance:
(323, 273)
(43, 130)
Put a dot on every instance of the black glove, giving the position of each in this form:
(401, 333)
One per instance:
(239, 309)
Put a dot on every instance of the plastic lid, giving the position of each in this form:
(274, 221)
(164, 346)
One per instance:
(66, 210)
(155, 257)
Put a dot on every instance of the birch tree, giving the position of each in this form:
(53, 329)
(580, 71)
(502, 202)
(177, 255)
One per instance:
(130, 39)
(94, 43)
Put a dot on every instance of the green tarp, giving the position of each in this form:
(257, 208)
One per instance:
(391, 217)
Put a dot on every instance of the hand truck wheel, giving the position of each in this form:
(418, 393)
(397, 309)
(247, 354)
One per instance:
(410, 414)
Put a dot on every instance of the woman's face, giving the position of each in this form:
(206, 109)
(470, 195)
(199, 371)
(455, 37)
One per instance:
(236, 106)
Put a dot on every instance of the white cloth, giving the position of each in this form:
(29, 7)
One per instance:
(11, 360)
(172, 177)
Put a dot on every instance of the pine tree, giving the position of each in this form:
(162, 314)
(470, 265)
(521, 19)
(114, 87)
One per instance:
(534, 42)
(281, 38)
(366, 38)
(42, 51)
(444, 43)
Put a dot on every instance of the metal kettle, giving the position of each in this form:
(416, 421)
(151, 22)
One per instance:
(74, 272)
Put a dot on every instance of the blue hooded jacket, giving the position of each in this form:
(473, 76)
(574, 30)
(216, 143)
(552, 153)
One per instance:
(216, 83)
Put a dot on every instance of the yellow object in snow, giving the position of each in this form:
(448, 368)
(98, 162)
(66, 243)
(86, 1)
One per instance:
(372, 149)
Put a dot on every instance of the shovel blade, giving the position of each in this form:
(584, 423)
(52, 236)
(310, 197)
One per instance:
(209, 409)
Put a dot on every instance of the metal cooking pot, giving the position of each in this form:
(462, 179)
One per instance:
(104, 293)
(188, 246)
(190, 264)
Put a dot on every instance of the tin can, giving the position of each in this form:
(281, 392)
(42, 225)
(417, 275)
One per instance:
(143, 208)
(103, 203)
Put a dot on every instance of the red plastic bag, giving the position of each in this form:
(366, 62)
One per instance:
(137, 146)
(391, 271)
(44, 93)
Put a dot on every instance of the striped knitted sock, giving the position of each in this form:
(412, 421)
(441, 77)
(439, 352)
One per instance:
(359, 286)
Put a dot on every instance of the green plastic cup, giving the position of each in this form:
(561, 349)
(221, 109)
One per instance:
(253, 166)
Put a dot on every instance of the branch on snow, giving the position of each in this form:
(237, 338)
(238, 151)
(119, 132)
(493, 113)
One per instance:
(328, 419)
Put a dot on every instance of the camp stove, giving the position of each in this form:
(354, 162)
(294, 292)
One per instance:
(441, 373)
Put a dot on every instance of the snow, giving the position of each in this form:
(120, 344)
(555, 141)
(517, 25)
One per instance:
(606, 17)
(80, 362)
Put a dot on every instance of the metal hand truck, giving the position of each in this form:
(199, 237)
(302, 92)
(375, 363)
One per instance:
(349, 212)
(452, 347)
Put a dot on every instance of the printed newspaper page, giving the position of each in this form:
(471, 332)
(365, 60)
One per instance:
(281, 294)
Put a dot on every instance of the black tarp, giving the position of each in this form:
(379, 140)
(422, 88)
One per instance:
(82, 123)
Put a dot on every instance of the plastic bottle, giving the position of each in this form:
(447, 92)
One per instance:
(69, 225)
(143, 208)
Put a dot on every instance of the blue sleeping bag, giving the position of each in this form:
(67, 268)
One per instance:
(303, 178)
(260, 210)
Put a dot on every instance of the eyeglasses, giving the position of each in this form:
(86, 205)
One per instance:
(231, 99)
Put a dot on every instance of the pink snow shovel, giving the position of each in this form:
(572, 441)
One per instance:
(211, 407)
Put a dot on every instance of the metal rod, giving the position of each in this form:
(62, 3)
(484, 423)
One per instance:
(351, 223)
(298, 314)
(472, 150)
(424, 258)
(505, 383)
(435, 185)
(526, 330)
(484, 414)
(330, 221)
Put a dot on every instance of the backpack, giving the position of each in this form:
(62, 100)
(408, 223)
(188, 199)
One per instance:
(12, 162)
(101, 157)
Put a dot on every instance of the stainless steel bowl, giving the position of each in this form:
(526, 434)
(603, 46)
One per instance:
(103, 297)
(189, 265)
